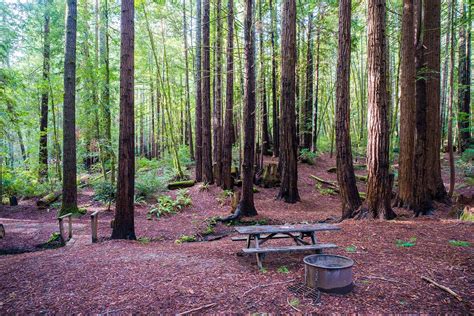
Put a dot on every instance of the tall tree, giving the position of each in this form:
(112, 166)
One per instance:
(227, 182)
(289, 142)
(345, 170)
(308, 99)
(379, 186)
(314, 129)
(43, 140)
(124, 227)
(431, 46)
(198, 79)
(246, 205)
(464, 77)
(217, 115)
(262, 88)
(275, 105)
(407, 108)
(69, 201)
(208, 176)
(189, 130)
(452, 179)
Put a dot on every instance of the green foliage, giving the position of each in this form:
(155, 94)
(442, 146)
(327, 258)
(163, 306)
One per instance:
(324, 191)
(467, 216)
(351, 249)
(204, 187)
(185, 238)
(104, 192)
(307, 156)
(224, 196)
(147, 184)
(406, 244)
(294, 302)
(23, 182)
(459, 243)
(168, 205)
(144, 240)
(56, 236)
(263, 270)
(283, 269)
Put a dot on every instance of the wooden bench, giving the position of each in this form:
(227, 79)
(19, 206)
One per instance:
(316, 247)
(277, 236)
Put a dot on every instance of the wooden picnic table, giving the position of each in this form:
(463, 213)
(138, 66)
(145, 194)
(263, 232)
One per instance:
(261, 234)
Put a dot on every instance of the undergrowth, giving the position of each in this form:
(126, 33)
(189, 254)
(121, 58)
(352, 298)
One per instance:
(168, 205)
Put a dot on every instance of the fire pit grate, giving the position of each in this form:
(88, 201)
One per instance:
(301, 289)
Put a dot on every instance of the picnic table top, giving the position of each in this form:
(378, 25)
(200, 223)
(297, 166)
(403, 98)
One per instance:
(274, 229)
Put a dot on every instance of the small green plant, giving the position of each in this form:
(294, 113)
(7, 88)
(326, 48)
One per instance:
(283, 269)
(459, 243)
(168, 205)
(263, 270)
(144, 240)
(204, 187)
(406, 244)
(56, 236)
(294, 302)
(224, 196)
(324, 191)
(104, 192)
(307, 156)
(185, 238)
(351, 249)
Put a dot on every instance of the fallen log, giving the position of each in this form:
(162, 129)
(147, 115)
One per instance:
(333, 186)
(181, 184)
(356, 167)
(46, 200)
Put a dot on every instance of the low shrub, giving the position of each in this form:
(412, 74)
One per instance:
(104, 192)
(307, 156)
(168, 205)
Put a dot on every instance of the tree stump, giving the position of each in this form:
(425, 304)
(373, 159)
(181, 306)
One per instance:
(270, 176)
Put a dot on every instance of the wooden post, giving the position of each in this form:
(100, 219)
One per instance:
(61, 227)
(94, 225)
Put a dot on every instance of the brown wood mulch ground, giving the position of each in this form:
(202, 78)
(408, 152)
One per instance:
(157, 275)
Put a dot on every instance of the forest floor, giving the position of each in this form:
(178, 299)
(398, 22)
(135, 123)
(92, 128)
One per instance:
(155, 274)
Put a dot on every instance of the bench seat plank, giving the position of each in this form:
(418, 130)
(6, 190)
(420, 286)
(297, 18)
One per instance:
(298, 228)
(289, 248)
(277, 236)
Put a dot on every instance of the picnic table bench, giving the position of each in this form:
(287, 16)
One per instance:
(261, 234)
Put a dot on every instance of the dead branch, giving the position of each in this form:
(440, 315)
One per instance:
(265, 285)
(444, 288)
(196, 309)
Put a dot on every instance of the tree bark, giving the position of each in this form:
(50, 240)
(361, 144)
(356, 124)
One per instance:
(379, 183)
(308, 101)
(345, 170)
(43, 140)
(314, 130)
(227, 182)
(218, 98)
(69, 201)
(464, 79)
(289, 142)
(123, 227)
(189, 130)
(246, 204)
(452, 178)
(263, 89)
(432, 44)
(275, 105)
(407, 108)
(208, 176)
(198, 118)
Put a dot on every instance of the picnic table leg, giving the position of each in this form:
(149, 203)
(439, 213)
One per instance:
(248, 240)
(259, 255)
(313, 241)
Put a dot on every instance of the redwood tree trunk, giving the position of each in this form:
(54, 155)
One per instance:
(464, 79)
(379, 188)
(263, 90)
(431, 45)
(43, 141)
(189, 131)
(69, 202)
(123, 227)
(227, 182)
(308, 101)
(345, 170)
(246, 205)
(289, 142)
(407, 108)
(206, 97)
(218, 98)
(198, 151)
(275, 106)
